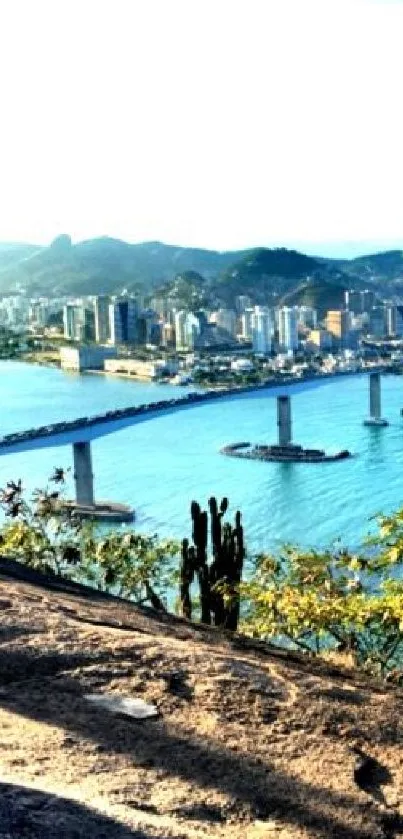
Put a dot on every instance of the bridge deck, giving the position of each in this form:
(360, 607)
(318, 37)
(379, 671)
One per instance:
(86, 429)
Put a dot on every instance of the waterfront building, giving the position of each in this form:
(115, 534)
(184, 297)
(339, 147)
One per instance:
(142, 369)
(85, 358)
(262, 330)
(74, 321)
(377, 322)
(123, 315)
(288, 329)
(394, 321)
(149, 328)
(338, 324)
(101, 314)
(187, 328)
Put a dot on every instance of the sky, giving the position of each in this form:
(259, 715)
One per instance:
(211, 123)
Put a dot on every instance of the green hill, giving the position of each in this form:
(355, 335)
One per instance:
(264, 273)
(319, 294)
(103, 265)
(106, 265)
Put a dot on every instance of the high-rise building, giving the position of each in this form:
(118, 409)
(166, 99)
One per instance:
(38, 313)
(338, 324)
(288, 329)
(377, 322)
(320, 339)
(101, 313)
(242, 302)
(160, 305)
(226, 319)
(307, 317)
(262, 329)
(246, 324)
(394, 321)
(353, 301)
(368, 299)
(123, 315)
(180, 332)
(359, 302)
(187, 328)
(74, 321)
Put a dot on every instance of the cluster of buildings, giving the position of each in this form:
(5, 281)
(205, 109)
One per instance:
(125, 320)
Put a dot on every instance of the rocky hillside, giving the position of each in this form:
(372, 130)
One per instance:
(248, 741)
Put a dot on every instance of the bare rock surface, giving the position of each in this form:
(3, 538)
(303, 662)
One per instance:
(249, 741)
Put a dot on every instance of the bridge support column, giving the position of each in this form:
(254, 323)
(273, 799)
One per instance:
(83, 476)
(375, 417)
(284, 420)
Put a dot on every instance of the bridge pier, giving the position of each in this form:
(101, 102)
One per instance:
(83, 477)
(85, 505)
(284, 420)
(375, 414)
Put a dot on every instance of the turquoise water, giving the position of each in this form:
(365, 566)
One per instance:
(160, 466)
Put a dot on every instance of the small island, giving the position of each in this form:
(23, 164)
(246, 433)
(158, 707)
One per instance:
(290, 453)
(284, 451)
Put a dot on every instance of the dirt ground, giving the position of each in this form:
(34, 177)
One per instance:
(249, 742)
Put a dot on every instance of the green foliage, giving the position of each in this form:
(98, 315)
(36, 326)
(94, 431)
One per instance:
(46, 535)
(317, 293)
(321, 600)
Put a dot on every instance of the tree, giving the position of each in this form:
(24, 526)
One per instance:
(333, 600)
(45, 534)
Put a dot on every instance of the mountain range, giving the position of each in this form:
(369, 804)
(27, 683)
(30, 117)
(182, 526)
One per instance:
(106, 265)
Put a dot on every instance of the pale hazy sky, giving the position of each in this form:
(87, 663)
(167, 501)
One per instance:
(217, 123)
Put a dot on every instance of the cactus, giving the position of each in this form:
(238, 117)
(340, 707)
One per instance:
(186, 578)
(219, 581)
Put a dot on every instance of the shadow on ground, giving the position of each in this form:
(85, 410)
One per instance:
(254, 788)
(40, 815)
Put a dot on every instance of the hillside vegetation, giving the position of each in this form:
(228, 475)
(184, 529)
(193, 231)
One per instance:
(319, 294)
(106, 265)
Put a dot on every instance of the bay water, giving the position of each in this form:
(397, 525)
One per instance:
(159, 467)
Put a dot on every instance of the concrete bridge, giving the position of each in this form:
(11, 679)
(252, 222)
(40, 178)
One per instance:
(80, 432)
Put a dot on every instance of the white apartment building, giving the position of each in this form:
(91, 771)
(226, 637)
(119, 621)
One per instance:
(288, 329)
(262, 330)
(74, 321)
(246, 324)
(187, 328)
